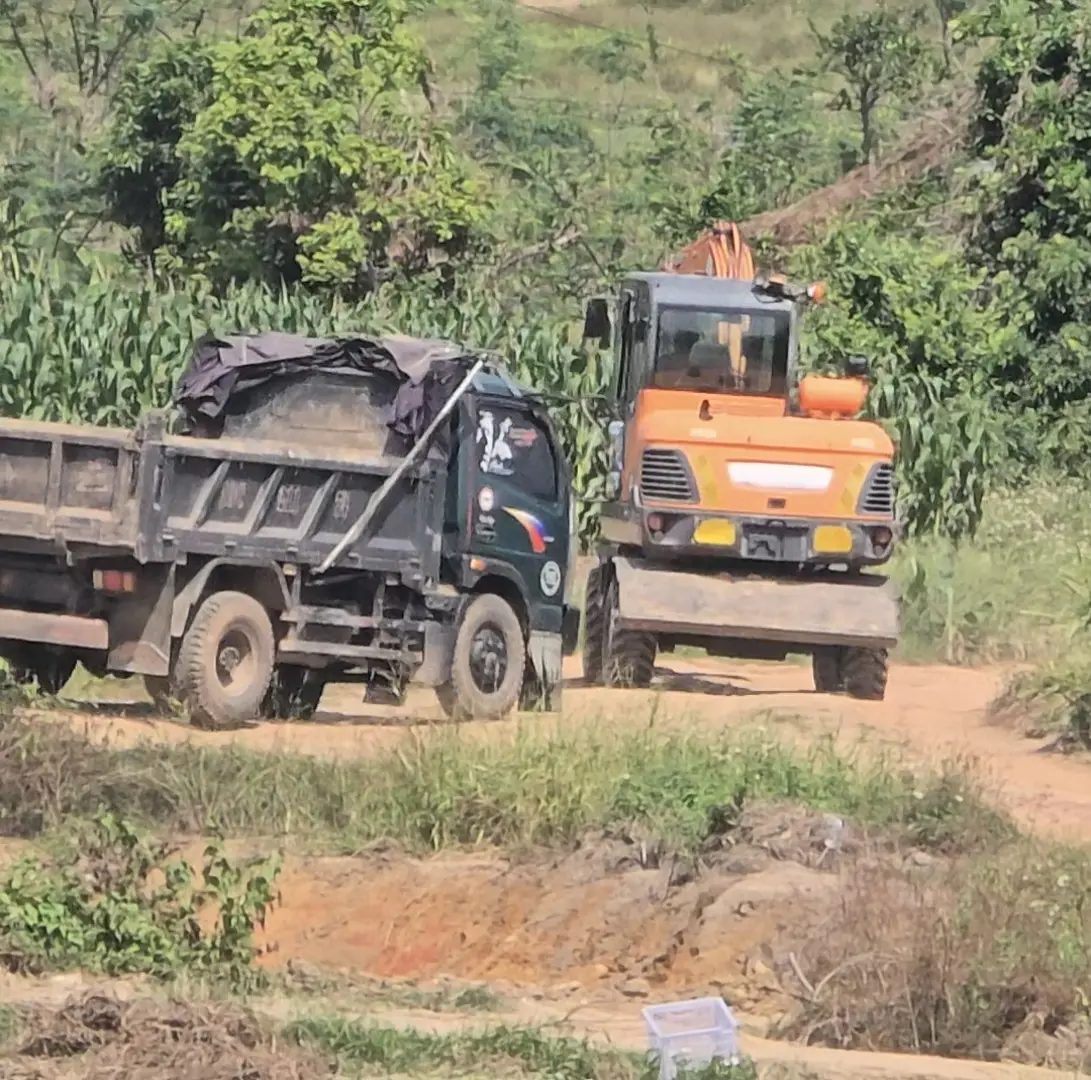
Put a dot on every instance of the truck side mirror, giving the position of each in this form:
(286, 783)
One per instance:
(858, 367)
(596, 322)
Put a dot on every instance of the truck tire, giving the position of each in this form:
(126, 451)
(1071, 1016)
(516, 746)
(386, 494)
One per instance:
(827, 663)
(628, 656)
(864, 672)
(294, 693)
(593, 626)
(487, 664)
(225, 662)
(49, 666)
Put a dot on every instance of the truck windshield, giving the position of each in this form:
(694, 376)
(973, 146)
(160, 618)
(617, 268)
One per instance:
(743, 352)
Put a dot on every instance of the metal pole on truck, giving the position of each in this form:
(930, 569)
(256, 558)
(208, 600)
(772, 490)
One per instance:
(392, 480)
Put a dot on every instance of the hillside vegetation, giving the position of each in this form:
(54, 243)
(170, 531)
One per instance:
(476, 170)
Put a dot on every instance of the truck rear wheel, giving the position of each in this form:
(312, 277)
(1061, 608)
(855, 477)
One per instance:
(487, 664)
(294, 693)
(51, 667)
(225, 662)
(628, 656)
(826, 664)
(593, 627)
(865, 673)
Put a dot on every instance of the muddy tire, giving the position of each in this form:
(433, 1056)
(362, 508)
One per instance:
(864, 672)
(593, 626)
(488, 662)
(225, 662)
(48, 666)
(628, 656)
(827, 667)
(294, 693)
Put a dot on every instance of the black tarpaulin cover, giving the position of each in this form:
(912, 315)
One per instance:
(222, 368)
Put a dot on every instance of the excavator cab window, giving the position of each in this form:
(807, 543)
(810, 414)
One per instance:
(722, 351)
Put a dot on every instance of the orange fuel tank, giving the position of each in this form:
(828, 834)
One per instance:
(819, 396)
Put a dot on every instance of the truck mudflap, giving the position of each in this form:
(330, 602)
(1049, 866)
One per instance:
(861, 610)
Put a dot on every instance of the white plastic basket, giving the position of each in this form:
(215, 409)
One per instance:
(692, 1034)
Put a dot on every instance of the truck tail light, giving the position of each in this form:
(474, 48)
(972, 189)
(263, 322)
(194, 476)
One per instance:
(114, 581)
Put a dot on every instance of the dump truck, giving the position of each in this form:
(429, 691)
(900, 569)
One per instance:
(746, 507)
(389, 511)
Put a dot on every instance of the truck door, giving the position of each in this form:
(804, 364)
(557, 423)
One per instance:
(518, 500)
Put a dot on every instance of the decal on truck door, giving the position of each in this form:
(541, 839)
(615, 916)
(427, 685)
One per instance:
(535, 529)
(496, 456)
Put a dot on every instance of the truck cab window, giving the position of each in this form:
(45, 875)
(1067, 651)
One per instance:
(512, 443)
(722, 351)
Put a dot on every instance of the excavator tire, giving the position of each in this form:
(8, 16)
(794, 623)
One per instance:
(628, 656)
(593, 627)
(864, 673)
(827, 664)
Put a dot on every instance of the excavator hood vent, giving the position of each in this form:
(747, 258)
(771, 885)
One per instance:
(665, 477)
(877, 494)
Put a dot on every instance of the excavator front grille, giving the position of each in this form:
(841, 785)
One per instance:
(665, 477)
(877, 496)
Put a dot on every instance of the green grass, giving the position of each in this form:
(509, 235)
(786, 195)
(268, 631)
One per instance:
(496, 1051)
(1017, 592)
(449, 790)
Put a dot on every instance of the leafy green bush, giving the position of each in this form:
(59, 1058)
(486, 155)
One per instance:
(103, 911)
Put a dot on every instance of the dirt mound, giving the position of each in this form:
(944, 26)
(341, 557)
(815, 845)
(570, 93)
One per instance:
(99, 1037)
(616, 914)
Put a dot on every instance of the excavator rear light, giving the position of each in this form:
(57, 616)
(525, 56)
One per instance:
(715, 532)
(832, 540)
(655, 523)
(816, 292)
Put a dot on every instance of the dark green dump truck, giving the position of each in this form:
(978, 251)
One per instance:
(382, 510)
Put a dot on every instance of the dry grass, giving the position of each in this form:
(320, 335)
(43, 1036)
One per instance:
(983, 958)
(98, 1037)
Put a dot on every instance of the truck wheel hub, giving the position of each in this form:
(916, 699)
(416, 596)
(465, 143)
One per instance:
(488, 659)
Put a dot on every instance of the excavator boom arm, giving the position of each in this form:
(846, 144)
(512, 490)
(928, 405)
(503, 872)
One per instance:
(720, 252)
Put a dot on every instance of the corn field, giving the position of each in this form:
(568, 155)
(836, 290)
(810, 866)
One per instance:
(103, 350)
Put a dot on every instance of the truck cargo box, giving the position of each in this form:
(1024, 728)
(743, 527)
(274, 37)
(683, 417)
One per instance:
(64, 486)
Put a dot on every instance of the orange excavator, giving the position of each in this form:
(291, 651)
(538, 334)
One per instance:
(747, 508)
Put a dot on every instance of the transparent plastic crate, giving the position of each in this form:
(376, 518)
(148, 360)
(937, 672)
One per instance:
(691, 1034)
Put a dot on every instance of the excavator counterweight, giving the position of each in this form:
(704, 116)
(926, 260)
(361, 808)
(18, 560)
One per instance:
(745, 507)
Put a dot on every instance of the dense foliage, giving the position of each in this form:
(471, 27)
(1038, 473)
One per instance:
(311, 165)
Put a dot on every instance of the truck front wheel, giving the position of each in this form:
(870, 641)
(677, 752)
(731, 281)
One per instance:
(487, 664)
(225, 662)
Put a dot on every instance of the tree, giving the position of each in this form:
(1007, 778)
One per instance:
(294, 153)
(877, 53)
(779, 148)
(948, 12)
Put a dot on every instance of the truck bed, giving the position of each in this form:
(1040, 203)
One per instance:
(66, 486)
(95, 491)
(259, 499)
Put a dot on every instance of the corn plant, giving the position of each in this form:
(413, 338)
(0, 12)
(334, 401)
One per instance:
(100, 348)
